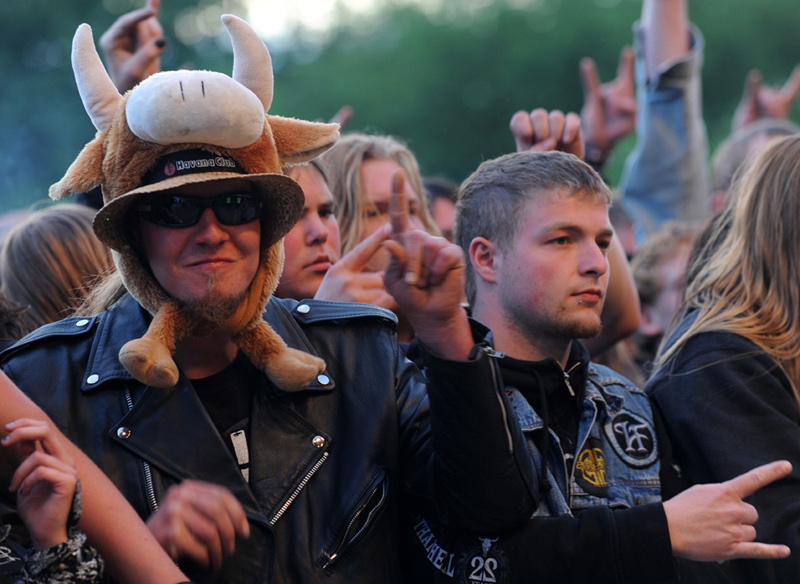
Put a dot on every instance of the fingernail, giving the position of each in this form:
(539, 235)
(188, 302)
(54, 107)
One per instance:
(5, 439)
(161, 43)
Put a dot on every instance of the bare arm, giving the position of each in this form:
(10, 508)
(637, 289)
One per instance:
(665, 24)
(104, 509)
(620, 316)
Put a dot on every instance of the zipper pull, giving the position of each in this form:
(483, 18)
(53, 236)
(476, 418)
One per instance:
(491, 352)
(569, 387)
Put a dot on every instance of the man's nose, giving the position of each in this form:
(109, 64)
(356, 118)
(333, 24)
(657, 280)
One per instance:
(594, 260)
(209, 229)
(316, 231)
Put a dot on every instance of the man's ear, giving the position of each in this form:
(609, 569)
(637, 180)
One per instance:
(483, 254)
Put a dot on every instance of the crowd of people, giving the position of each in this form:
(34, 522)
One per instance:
(261, 349)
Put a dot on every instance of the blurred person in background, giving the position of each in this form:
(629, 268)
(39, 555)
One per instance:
(50, 261)
(727, 380)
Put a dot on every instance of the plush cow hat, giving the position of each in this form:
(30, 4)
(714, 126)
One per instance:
(190, 127)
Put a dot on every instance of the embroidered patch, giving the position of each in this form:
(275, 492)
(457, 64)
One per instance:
(480, 563)
(633, 439)
(590, 469)
(483, 565)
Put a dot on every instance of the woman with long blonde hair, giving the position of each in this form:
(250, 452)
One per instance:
(727, 379)
(360, 168)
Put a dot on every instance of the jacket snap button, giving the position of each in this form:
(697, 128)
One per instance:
(82, 322)
(304, 309)
(323, 379)
(318, 442)
(124, 433)
(92, 379)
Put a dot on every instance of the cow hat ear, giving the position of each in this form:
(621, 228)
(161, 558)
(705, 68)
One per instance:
(299, 141)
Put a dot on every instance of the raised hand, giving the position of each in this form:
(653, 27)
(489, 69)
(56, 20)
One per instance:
(426, 277)
(609, 109)
(45, 481)
(199, 520)
(762, 101)
(346, 280)
(541, 130)
(712, 522)
(132, 47)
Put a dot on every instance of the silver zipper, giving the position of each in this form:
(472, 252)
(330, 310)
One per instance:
(566, 378)
(299, 488)
(148, 473)
(497, 385)
(332, 557)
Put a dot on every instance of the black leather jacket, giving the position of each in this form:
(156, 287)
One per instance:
(331, 466)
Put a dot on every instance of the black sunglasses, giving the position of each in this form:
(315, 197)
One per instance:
(185, 211)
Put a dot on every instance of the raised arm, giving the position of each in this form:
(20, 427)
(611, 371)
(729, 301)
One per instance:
(621, 311)
(665, 31)
(666, 176)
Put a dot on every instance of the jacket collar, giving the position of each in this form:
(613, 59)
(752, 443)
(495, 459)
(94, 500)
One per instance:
(126, 320)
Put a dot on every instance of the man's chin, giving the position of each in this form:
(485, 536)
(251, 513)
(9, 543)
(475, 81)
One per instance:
(586, 329)
(214, 309)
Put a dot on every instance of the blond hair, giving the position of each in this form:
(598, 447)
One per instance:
(50, 261)
(748, 285)
(343, 165)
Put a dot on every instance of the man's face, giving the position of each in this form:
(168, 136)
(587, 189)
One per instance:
(443, 211)
(207, 263)
(312, 246)
(657, 317)
(552, 283)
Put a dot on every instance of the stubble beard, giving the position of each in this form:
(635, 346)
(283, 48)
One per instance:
(554, 329)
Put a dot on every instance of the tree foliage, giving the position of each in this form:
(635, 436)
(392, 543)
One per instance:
(445, 76)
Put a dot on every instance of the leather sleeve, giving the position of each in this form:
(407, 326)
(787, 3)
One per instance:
(484, 475)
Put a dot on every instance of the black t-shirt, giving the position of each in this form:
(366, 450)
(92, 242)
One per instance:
(227, 397)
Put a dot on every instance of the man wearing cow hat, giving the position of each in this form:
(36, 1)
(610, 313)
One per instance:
(262, 446)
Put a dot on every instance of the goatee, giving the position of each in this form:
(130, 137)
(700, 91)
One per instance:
(213, 310)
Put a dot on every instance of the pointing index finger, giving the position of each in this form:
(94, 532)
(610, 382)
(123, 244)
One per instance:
(626, 67)
(589, 77)
(748, 483)
(398, 206)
